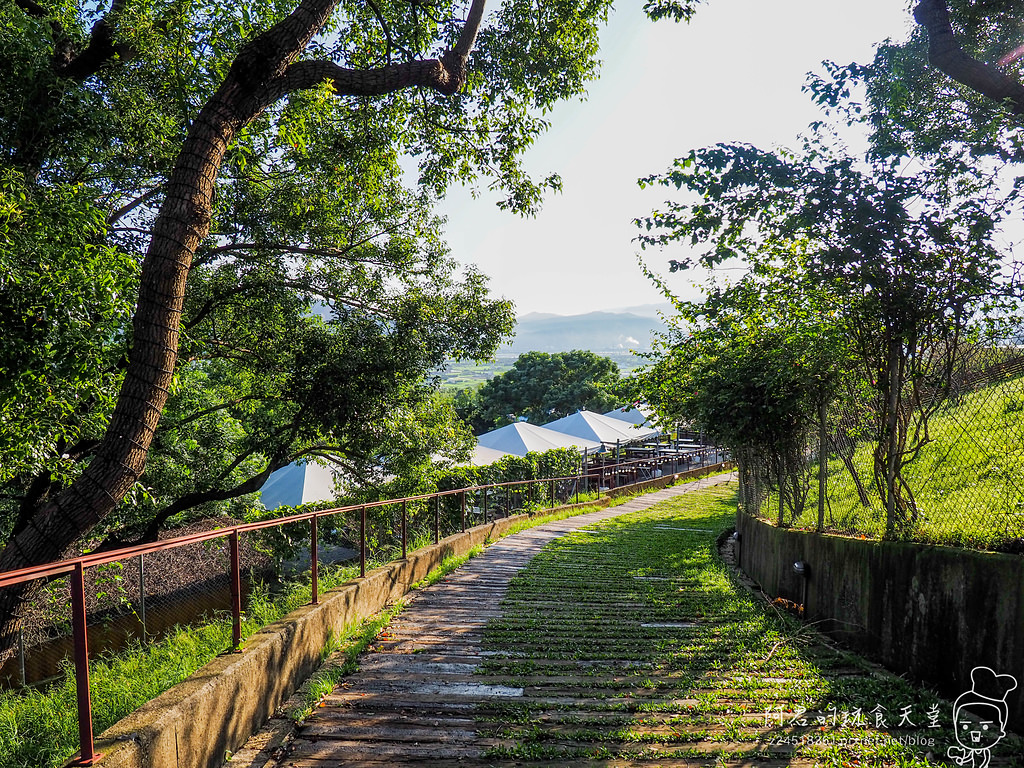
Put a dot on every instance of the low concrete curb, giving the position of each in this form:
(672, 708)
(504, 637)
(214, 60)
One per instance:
(666, 480)
(195, 723)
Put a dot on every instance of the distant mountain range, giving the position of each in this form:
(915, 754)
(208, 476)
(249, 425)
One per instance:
(601, 332)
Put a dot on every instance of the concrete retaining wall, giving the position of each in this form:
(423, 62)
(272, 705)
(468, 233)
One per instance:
(195, 723)
(933, 612)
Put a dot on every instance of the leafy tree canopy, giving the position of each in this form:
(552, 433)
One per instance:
(906, 262)
(542, 387)
(951, 94)
(201, 210)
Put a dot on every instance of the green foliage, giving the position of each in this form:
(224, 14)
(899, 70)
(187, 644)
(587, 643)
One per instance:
(905, 263)
(911, 109)
(542, 387)
(752, 366)
(323, 295)
(558, 462)
(963, 479)
(65, 296)
(677, 10)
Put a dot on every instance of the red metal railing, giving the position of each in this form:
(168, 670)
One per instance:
(603, 477)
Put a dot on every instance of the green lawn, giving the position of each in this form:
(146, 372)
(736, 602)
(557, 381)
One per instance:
(967, 480)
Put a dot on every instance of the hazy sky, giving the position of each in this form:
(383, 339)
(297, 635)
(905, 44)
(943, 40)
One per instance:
(733, 74)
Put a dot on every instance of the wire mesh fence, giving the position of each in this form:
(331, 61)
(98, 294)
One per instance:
(938, 463)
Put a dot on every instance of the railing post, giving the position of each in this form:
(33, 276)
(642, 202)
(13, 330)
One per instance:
(583, 469)
(236, 592)
(508, 500)
(81, 637)
(463, 510)
(822, 464)
(485, 503)
(21, 656)
(142, 598)
(362, 542)
(314, 585)
(437, 519)
(405, 540)
(552, 483)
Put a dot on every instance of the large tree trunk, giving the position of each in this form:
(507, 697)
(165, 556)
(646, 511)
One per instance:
(263, 72)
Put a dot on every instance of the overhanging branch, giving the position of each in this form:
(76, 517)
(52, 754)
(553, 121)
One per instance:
(946, 55)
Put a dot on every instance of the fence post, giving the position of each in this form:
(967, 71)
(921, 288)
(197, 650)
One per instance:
(313, 557)
(21, 656)
(362, 542)
(405, 539)
(81, 636)
(552, 483)
(485, 503)
(437, 519)
(142, 598)
(236, 592)
(743, 487)
(576, 486)
(508, 500)
(463, 510)
(822, 465)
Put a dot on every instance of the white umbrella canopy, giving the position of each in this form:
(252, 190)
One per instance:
(596, 426)
(521, 438)
(300, 482)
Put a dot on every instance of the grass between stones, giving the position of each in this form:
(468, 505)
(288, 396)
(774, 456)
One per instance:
(632, 642)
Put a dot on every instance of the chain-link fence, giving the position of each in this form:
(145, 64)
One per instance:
(144, 598)
(937, 460)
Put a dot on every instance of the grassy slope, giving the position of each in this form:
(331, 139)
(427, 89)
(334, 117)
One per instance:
(966, 480)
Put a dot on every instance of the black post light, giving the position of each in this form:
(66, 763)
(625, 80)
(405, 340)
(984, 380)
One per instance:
(803, 570)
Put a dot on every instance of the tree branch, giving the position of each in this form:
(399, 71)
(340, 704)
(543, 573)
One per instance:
(301, 75)
(191, 500)
(946, 55)
(445, 75)
(213, 409)
(124, 210)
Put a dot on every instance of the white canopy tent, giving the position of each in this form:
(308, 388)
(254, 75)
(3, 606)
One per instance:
(482, 456)
(521, 438)
(634, 414)
(600, 428)
(301, 482)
